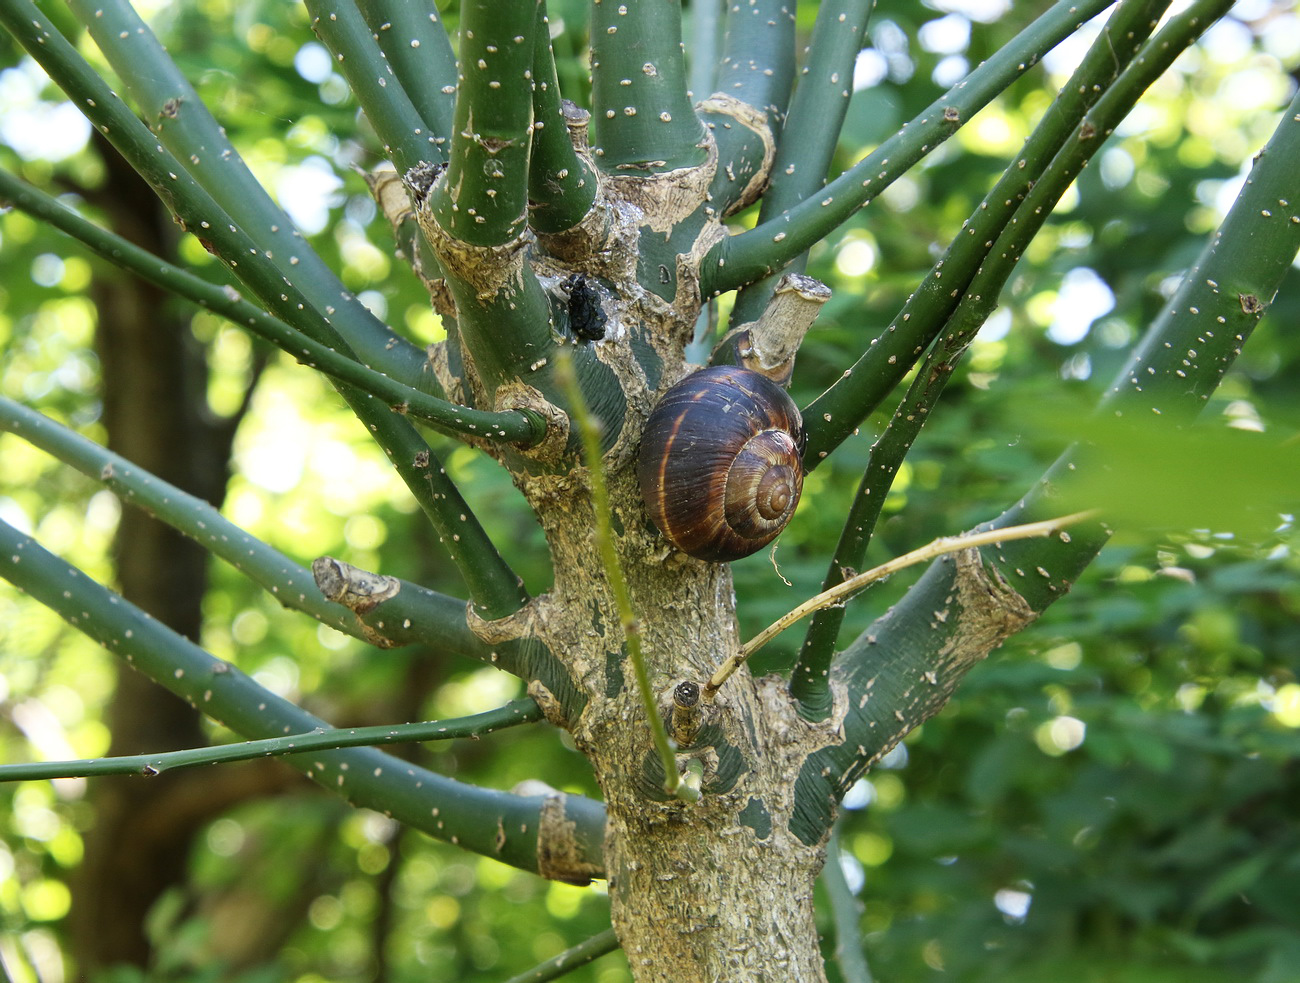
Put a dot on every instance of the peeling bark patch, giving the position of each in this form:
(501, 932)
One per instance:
(552, 709)
(559, 854)
(991, 611)
(357, 590)
(669, 197)
(756, 121)
(360, 591)
(757, 818)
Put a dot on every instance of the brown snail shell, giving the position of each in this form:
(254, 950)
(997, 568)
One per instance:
(720, 463)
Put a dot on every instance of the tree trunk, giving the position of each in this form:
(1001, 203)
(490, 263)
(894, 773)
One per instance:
(719, 889)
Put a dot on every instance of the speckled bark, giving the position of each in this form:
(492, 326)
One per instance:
(714, 890)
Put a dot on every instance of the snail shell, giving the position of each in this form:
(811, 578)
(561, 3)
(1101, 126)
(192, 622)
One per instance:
(720, 463)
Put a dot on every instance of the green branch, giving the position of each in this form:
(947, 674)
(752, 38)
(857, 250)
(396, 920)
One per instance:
(406, 137)
(495, 588)
(706, 46)
(1156, 58)
(757, 65)
(836, 413)
(644, 122)
(1130, 25)
(482, 199)
(751, 94)
(810, 677)
(517, 427)
(416, 47)
(493, 823)
(413, 614)
(570, 959)
(846, 913)
(811, 131)
(199, 145)
(562, 186)
(324, 739)
(1185, 353)
(743, 258)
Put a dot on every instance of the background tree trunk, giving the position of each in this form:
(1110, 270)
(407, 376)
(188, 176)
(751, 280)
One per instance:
(155, 411)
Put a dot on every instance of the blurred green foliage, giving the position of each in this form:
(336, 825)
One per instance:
(1111, 797)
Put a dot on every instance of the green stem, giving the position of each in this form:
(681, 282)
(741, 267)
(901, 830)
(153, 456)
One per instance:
(846, 912)
(522, 428)
(407, 138)
(415, 614)
(1176, 36)
(810, 677)
(495, 588)
(326, 739)
(811, 130)
(1129, 26)
(757, 70)
(644, 122)
(1190, 345)
(199, 144)
(570, 959)
(416, 46)
(706, 46)
(757, 65)
(562, 186)
(482, 199)
(836, 413)
(1212, 314)
(589, 429)
(493, 823)
(746, 257)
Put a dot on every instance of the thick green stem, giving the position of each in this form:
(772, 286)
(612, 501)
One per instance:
(752, 91)
(905, 667)
(836, 413)
(516, 427)
(757, 64)
(325, 739)
(199, 144)
(406, 136)
(482, 199)
(495, 824)
(644, 122)
(705, 47)
(416, 46)
(562, 186)
(812, 128)
(746, 257)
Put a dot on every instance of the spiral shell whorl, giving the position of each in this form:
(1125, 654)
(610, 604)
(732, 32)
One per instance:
(719, 463)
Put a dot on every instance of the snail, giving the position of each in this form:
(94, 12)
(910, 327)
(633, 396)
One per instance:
(720, 463)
